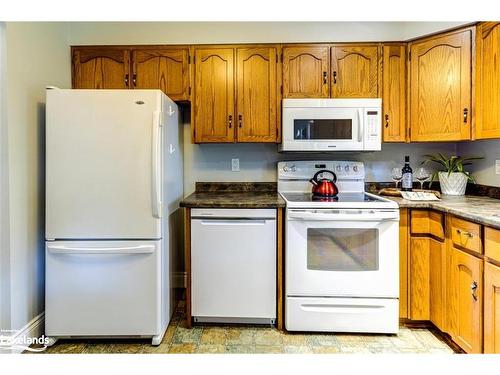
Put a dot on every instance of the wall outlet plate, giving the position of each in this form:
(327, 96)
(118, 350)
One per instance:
(497, 166)
(235, 165)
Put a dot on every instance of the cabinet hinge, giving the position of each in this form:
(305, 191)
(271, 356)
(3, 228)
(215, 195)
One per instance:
(189, 59)
(276, 58)
(281, 57)
(281, 89)
(189, 90)
(194, 59)
(409, 56)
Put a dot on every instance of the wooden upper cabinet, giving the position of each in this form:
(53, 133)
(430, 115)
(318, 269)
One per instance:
(355, 71)
(257, 95)
(305, 71)
(465, 300)
(101, 68)
(394, 92)
(164, 69)
(213, 109)
(491, 309)
(488, 80)
(440, 87)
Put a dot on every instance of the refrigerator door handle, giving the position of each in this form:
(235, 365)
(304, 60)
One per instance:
(155, 162)
(60, 249)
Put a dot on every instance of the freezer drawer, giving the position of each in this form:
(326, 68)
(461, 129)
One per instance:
(233, 264)
(366, 315)
(103, 288)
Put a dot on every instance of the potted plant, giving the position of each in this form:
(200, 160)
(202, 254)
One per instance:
(453, 179)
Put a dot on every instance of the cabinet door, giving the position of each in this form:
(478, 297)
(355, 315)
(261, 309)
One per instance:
(355, 71)
(403, 263)
(305, 72)
(488, 80)
(256, 94)
(101, 68)
(214, 95)
(491, 309)
(465, 298)
(419, 278)
(394, 92)
(164, 69)
(437, 291)
(440, 88)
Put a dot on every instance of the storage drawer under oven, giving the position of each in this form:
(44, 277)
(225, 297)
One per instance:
(367, 315)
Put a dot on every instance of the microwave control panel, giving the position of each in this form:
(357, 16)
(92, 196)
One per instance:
(373, 122)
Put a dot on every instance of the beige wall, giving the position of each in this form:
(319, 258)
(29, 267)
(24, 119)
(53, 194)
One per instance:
(483, 170)
(37, 56)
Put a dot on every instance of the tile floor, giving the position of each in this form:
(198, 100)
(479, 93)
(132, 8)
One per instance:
(229, 339)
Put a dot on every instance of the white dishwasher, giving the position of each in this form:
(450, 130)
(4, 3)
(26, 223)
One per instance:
(233, 265)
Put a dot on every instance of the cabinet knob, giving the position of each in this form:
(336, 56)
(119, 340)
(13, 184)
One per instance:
(466, 112)
(126, 79)
(325, 78)
(134, 79)
(334, 77)
(230, 121)
(386, 120)
(240, 120)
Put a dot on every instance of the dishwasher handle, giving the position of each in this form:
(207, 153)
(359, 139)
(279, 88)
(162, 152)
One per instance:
(238, 222)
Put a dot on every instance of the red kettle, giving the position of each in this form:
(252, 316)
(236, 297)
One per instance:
(324, 187)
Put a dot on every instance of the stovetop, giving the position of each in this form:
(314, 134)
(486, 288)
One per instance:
(342, 200)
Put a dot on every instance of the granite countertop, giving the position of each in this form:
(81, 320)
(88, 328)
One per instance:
(234, 195)
(483, 210)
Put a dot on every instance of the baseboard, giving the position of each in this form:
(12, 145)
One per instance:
(179, 279)
(33, 329)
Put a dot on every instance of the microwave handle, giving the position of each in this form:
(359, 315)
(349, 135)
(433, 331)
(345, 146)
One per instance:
(360, 125)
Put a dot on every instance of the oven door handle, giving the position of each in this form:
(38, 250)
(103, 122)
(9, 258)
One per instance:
(358, 216)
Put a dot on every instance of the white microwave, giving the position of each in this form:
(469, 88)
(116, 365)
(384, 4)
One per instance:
(332, 125)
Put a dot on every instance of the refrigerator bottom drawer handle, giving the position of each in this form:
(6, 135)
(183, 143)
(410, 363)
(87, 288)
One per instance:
(142, 249)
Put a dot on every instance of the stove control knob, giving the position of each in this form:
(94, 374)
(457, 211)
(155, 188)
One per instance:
(355, 168)
(339, 168)
(346, 168)
(285, 169)
(293, 168)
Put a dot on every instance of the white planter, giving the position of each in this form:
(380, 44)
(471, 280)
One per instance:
(453, 184)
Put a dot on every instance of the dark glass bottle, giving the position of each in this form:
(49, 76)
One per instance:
(407, 172)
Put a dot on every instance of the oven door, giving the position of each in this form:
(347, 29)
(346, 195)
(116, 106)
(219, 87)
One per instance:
(322, 129)
(342, 253)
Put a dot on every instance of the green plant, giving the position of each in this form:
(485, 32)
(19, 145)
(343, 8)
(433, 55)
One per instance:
(450, 164)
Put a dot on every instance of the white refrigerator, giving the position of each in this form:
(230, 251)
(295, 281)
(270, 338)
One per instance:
(114, 181)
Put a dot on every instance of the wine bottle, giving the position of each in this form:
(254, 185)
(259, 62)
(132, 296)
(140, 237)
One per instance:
(407, 173)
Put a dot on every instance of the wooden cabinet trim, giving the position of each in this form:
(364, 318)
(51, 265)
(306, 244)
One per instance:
(428, 223)
(491, 309)
(492, 244)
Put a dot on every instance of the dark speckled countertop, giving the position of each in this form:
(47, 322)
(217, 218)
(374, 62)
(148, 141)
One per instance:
(483, 210)
(234, 195)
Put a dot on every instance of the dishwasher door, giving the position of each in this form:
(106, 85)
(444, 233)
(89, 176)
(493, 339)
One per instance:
(233, 265)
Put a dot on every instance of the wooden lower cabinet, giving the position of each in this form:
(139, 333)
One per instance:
(419, 279)
(464, 300)
(437, 283)
(403, 263)
(491, 308)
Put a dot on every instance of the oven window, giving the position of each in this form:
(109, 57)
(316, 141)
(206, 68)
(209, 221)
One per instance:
(322, 129)
(342, 249)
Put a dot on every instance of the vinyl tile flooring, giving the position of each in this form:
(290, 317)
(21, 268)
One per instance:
(254, 340)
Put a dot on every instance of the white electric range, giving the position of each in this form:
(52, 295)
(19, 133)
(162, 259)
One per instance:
(341, 253)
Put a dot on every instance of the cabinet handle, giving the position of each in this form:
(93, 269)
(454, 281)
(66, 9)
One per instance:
(325, 78)
(334, 77)
(126, 79)
(386, 120)
(240, 120)
(468, 234)
(134, 79)
(230, 121)
(473, 288)
(466, 112)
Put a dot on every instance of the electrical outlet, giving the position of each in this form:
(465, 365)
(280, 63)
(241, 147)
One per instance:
(497, 166)
(235, 165)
